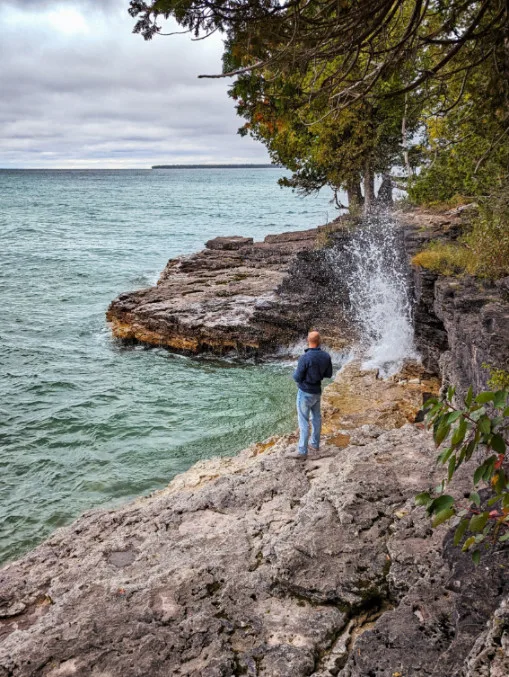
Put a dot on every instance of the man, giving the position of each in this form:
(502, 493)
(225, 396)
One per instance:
(312, 368)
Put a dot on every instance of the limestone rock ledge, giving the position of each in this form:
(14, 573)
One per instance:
(462, 322)
(266, 566)
(236, 294)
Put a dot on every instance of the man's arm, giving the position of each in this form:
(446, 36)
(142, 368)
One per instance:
(300, 373)
(328, 371)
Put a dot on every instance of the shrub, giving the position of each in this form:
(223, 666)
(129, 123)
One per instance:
(449, 258)
(483, 422)
(499, 378)
(488, 237)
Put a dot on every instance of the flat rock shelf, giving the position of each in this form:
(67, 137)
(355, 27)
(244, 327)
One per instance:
(267, 566)
(237, 295)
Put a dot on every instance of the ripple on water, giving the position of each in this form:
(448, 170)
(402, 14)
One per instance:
(84, 421)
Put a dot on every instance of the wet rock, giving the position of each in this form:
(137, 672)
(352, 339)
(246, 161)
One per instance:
(238, 295)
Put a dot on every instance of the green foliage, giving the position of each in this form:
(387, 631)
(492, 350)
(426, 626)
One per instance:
(446, 258)
(458, 433)
(482, 250)
(499, 378)
(488, 236)
(465, 149)
(321, 146)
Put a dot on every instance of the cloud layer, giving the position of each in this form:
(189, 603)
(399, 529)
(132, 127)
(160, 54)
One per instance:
(80, 90)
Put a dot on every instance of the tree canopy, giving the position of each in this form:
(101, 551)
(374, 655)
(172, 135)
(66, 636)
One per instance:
(340, 89)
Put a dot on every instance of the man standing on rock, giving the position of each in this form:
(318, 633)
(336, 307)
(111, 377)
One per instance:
(312, 368)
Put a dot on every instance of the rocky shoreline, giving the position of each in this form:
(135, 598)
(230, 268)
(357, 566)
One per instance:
(261, 565)
(238, 295)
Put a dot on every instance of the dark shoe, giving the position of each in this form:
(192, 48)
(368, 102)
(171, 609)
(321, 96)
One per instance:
(313, 450)
(296, 454)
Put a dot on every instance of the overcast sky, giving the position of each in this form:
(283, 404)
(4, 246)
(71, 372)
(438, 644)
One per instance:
(78, 89)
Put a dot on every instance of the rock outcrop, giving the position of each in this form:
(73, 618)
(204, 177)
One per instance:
(263, 565)
(461, 323)
(238, 295)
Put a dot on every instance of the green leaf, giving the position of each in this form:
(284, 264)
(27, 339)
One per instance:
(451, 390)
(484, 424)
(466, 545)
(476, 557)
(443, 516)
(454, 416)
(451, 468)
(459, 434)
(444, 456)
(469, 449)
(501, 481)
(423, 499)
(497, 444)
(484, 398)
(469, 397)
(460, 531)
(440, 503)
(505, 412)
(478, 522)
(500, 399)
(489, 469)
(441, 433)
(504, 538)
(478, 474)
(475, 498)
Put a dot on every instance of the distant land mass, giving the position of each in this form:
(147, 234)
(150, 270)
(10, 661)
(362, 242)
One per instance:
(245, 166)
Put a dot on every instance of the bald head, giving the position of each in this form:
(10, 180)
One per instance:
(314, 339)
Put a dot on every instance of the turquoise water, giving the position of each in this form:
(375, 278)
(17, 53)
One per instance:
(85, 421)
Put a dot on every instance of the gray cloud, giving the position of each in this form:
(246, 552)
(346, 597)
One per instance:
(78, 89)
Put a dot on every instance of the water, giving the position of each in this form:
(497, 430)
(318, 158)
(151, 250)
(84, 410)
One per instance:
(84, 421)
(379, 294)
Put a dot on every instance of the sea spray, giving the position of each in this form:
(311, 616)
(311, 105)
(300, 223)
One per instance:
(379, 293)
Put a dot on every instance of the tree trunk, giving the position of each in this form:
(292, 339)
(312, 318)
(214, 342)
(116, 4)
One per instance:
(384, 196)
(355, 199)
(369, 187)
(404, 141)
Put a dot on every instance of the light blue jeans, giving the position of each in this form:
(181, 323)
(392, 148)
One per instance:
(308, 405)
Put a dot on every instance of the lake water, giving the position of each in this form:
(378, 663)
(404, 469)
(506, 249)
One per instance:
(85, 421)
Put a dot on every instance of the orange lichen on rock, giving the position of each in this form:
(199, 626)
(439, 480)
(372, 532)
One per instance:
(359, 397)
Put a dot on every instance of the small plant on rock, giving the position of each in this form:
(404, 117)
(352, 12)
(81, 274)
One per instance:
(481, 424)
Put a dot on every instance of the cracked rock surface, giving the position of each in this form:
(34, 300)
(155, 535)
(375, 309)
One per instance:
(263, 565)
(238, 295)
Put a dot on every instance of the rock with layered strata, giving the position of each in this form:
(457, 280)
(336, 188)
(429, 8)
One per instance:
(238, 295)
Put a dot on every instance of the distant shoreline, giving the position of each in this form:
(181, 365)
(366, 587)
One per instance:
(228, 166)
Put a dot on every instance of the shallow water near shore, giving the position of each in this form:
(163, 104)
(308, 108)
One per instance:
(84, 421)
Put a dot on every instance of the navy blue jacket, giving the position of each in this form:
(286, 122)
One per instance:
(312, 368)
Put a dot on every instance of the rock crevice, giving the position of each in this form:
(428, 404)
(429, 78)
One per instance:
(261, 565)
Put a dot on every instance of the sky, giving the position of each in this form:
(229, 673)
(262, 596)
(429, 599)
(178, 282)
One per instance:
(79, 90)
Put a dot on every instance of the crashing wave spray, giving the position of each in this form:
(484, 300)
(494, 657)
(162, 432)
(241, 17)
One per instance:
(379, 294)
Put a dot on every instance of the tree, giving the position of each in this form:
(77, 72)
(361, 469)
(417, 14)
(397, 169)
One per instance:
(322, 147)
(373, 38)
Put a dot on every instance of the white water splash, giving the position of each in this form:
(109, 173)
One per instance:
(290, 354)
(379, 295)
